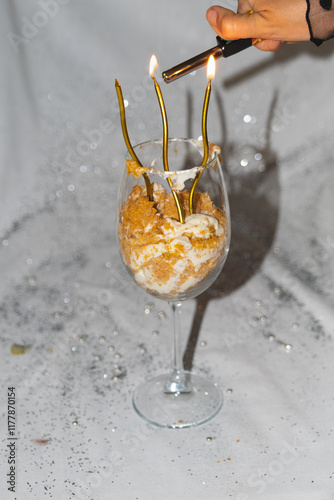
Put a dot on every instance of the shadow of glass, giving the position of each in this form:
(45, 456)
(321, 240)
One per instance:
(254, 201)
(289, 52)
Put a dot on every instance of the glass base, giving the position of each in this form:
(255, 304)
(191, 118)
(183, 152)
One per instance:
(176, 410)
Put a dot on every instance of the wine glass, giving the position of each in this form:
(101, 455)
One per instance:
(174, 235)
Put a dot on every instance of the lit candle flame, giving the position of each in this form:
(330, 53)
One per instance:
(211, 68)
(153, 65)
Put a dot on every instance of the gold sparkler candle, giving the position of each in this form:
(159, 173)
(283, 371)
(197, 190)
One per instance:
(153, 66)
(127, 139)
(211, 68)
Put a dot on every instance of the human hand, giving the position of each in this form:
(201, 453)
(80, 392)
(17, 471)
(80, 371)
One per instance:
(275, 22)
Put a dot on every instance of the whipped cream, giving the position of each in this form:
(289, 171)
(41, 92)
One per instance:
(176, 239)
(165, 256)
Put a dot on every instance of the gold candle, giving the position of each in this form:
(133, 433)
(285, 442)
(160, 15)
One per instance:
(127, 140)
(153, 66)
(210, 74)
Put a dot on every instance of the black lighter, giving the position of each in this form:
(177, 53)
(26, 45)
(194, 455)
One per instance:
(224, 48)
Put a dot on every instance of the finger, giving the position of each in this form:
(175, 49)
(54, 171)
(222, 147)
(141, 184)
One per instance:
(269, 45)
(231, 26)
(244, 6)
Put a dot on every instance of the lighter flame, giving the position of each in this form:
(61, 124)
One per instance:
(153, 64)
(211, 68)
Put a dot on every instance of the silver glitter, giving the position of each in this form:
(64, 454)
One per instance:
(93, 145)
(203, 343)
(70, 187)
(247, 118)
(115, 332)
(83, 168)
(97, 357)
(148, 308)
(118, 355)
(277, 250)
(74, 349)
(254, 320)
(244, 162)
(229, 391)
(259, 302)
(155, 333)
(119, 372)
(111, 348)
(269, 336)
(75, 422)
(209, 439)
(258, 156)
(142, 348)
(105, 375)
(295, 326)
(102, 339)
(162, 315)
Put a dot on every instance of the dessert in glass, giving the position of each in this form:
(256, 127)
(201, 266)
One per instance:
(174, 235)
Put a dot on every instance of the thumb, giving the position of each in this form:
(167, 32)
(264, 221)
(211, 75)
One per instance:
(230, 25)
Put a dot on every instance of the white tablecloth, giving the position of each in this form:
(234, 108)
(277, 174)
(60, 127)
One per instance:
(264, 329)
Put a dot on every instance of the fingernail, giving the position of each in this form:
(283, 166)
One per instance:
(211, 16)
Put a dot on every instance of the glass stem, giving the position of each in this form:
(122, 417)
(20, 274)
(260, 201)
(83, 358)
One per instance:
(177, 381)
